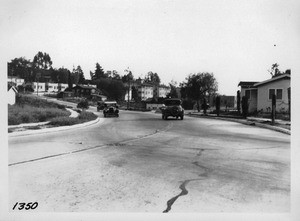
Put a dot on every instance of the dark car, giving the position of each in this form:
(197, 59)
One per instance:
(172, 107)
(111, 109)
(100, 105)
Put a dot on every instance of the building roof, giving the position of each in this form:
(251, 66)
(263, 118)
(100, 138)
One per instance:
(12, 88)
(280, 77)
(247, 84)
(85, 86)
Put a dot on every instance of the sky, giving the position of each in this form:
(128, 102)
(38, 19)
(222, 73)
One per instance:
(235, 40)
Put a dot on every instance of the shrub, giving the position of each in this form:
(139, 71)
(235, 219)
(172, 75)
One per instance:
(28, 114)
(245, 106)
(14, 120)
(188, 104)
(67, 121)
(84, 104)
(218, 102)
(64, 121)
(87, 116)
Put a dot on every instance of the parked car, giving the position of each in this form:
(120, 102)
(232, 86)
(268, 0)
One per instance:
(111, 109)
(100, 105)
(172, 107)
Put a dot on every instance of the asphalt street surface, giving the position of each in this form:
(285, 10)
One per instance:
(141, 163)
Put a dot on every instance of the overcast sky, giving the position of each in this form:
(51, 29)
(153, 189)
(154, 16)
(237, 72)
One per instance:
(235, 40)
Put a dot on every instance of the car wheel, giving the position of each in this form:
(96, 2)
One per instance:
(181, 117)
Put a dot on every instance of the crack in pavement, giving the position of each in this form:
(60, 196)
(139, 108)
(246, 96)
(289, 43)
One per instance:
(120, 143)
(184, 191)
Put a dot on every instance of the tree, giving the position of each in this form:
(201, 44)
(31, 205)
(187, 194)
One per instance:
(70, 82)
(245, 106)
(173, 93)
(218, 104)
(152, 78)
(78, 75)
(113, 88)
(99, 73)
(128, 77)
(198, 86)
(135, 93)
(42, 61)
(115, 75)
(20, 67)
(238, 101)
(62, 75)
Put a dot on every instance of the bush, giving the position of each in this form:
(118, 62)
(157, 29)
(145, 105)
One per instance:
(29, 114)
(22, 100)
(67, 121)
(64, 121)
(188, 104)
(85, 115)
(84, 104)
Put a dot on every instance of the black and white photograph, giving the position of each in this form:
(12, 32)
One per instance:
(150, 109)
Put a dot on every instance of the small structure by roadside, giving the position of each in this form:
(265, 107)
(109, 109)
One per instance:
(11, 95)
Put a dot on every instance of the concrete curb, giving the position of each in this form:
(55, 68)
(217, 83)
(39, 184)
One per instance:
(54, 129)
(261, 125)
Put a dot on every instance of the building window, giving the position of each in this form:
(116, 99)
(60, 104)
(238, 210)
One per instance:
(248, 94)
(277, 92)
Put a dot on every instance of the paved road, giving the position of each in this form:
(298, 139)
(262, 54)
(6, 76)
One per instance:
(140, 163)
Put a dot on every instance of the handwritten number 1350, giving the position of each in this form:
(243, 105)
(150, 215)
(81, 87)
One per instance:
(26, 206)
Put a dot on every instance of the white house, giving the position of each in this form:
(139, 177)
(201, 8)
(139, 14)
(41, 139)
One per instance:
(279, 86)
(39, 86)
(260, 93)
(145, 91)
(11, 95)
(163, 91)
(16, 80)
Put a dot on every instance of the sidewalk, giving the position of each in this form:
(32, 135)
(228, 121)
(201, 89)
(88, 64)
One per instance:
(280, 125)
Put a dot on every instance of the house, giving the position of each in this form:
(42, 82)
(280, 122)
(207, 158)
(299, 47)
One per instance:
(145, 91)
(86, 91)
(39, 87)
(163, 91)
(260, 94)
(18, 81)
(280, 86)
(250, 91)
(11, 95)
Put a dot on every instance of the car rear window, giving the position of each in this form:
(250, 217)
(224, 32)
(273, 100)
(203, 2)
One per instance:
(172, 102)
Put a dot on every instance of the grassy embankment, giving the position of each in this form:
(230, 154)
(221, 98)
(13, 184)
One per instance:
(29, 109)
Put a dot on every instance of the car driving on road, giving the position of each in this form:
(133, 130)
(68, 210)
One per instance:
(111, 109)
(172, 107)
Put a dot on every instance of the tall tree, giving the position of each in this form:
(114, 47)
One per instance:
(99, 73)
(77, 75)
(42, 61)
(135, 93)
(152, 78)
(20, 67)
(200, 85)
(173, 93)
(70, 80)
(81, 79)
(128, 77)
(62, 75)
